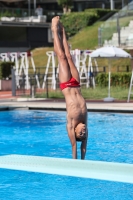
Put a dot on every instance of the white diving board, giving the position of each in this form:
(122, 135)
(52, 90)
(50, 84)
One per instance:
(110, 171)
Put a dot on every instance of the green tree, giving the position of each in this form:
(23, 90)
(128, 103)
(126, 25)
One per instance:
(66, 5)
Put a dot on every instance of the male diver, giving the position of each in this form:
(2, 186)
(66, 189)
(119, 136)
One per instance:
(70, 86)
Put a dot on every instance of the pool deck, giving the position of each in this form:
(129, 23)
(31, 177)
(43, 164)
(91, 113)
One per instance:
(7, 102)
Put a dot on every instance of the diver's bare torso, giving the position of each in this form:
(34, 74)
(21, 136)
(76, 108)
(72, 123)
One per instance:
(75, 105)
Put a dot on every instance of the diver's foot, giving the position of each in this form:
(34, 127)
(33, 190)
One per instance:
(55, 24)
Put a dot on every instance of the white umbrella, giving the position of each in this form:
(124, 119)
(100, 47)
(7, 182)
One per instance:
(109, 53)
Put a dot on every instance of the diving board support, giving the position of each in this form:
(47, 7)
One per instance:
(110, 171)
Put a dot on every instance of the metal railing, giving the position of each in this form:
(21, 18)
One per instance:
(14, 14)
(33, 90)
(116, 30)
(19, 84)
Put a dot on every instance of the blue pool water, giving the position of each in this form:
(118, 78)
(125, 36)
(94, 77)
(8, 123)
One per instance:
(43, 133)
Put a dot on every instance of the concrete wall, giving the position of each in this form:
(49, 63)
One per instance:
(6, 85)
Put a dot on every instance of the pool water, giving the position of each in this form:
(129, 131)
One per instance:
(43, 133)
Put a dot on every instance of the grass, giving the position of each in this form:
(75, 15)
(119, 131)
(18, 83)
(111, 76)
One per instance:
(40, 57)
(119, 93)
(100, 93)
(86, 38)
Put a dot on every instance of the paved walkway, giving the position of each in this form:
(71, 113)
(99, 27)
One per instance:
(6, 95)
(48, 104)
(7, 102)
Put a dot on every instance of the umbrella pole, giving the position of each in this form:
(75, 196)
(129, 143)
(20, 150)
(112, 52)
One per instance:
(109, 98)
(109, 78)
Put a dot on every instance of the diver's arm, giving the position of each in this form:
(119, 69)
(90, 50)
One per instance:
(72, 138)
(84, 146)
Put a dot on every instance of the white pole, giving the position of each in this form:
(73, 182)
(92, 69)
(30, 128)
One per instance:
(109, 86)
(34, 4)
(112, 4)
(122, 3)
(109, 98)
(109, 78)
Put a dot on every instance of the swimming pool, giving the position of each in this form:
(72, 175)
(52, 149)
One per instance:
(43, 133)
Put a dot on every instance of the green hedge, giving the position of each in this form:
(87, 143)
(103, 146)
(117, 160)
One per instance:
(117, 79)
(75, 21)
(102, 12)
(8, 14)
(5, 69)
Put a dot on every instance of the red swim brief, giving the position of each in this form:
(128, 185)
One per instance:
(71, 83)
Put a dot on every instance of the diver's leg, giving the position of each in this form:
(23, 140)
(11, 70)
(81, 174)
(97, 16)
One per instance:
(64, 69)
(73, 68)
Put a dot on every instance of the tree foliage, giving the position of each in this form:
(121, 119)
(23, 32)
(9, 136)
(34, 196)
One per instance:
(5, 69)
(66, 5)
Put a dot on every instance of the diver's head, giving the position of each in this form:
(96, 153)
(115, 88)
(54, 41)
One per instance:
(80, 132)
